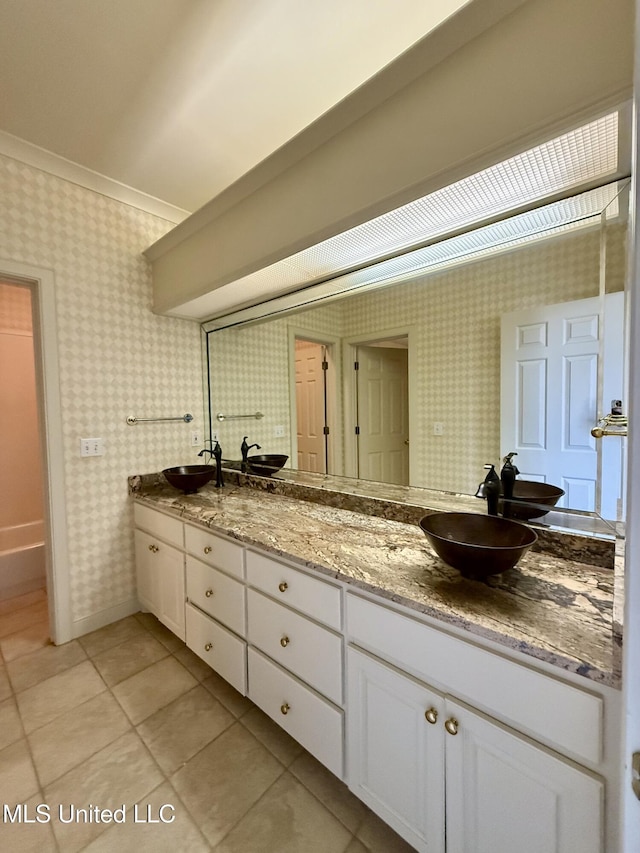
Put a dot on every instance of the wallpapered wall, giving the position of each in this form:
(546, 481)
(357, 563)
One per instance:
(116, 358)
(454, 318)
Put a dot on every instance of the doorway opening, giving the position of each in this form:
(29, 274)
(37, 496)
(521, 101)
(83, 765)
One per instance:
(381, 408)
(313, 403)
(23, 577)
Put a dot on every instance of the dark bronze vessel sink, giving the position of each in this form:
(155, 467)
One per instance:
(477, 545)
(189, 478)
(544, 495)
(266, 464)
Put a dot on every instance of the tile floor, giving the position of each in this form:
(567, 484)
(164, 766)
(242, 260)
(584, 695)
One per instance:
(128, 717)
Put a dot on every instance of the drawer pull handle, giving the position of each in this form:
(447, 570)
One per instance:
(451, 725)
(283, 586)
(208, 647)
(153, 548)
(208, 549)
(284, 641)
(209, 593)
(285, 708)
(431, 716)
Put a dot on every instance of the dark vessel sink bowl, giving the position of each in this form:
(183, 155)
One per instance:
(266, 464)
(531, 492)
(477, 545)
(189, 478)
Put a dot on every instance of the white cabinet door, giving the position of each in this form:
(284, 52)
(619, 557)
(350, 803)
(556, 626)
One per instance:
(395, 750)
(160, 580)
(221, 649)
(505, 794)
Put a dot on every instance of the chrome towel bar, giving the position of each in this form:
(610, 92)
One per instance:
(131, 420)
(256, 416)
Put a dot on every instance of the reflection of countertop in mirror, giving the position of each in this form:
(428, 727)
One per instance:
(556, 610)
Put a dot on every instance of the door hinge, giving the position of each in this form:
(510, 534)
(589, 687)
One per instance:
(635, 773)
(325, 430)
(357, 430)
(325, 365)
(356, 365)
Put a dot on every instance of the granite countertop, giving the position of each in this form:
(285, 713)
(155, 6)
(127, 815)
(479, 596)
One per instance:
(554, 609)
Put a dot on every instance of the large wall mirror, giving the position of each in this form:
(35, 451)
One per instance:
(510, 340)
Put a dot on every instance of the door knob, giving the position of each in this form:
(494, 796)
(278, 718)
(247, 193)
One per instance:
(283, 587)
(431, 716)
(209, 593)
(208, 647)
(285, 708)
(284, 642)
(451, 725)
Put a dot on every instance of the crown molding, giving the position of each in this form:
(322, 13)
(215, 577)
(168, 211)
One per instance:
(32, 155)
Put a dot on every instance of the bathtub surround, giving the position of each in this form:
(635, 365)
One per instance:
(116, 358)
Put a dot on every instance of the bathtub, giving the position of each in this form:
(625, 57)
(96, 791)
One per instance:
(22, 560)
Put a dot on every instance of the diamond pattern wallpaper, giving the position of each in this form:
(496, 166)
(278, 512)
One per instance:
(453, 317)
(116, 358)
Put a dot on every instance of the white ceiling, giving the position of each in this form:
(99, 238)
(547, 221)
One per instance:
(179, 98)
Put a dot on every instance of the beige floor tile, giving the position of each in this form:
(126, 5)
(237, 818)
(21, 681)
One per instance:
(180, 730)
(227, 695)
(24, 642)
(47, 700)
(120, 774)
(221, 783)
(10, 605)
(160, 632)
(178, 836)
(23, 837)
(10, 724)
(111, 635)
(18, 780)
(380, 838)
(126, 659)
(356, 846)
(44, 663)
(75, 736)
(156, 686)
(333, 793)
(277, 741)
(287, 819)
(18, 620)
(5, 685)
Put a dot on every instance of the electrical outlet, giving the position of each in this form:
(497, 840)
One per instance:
(214, 437)
(91, 447)
(438, 429)
(278, 431)
(196, 439)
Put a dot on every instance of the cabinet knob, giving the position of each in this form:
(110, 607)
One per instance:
(284, 641)
(208, 647)
(153, 548)
(285, 708)
(451, 725)
(283, 586)
(431, 716)
(208, 549)
(209, 593)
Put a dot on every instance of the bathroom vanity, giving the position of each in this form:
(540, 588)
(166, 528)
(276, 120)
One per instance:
(468, 715)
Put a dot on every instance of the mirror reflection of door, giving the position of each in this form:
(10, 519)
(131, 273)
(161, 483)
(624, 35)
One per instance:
(550, 367)
(311, 366)
(382, 399)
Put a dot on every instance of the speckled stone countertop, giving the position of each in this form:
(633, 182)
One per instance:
(553, 609)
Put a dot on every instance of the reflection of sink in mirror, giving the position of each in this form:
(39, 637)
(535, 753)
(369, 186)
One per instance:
(189, 478)
(477, 545)
(266, 464)
(528, 491)
(449, 321)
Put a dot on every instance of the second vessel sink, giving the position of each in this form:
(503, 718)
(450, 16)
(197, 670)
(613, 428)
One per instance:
(189, 478)
(477, 545)
(532, 492)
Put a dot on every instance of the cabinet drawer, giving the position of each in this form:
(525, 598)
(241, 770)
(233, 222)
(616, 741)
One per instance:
(549, 710)
(311, 652)
(308, 718)
(157, 523)
(316, 598)
(217, 594)
(221, 649)
(215, 550)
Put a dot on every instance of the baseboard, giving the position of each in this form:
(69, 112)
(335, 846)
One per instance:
(104, 617)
